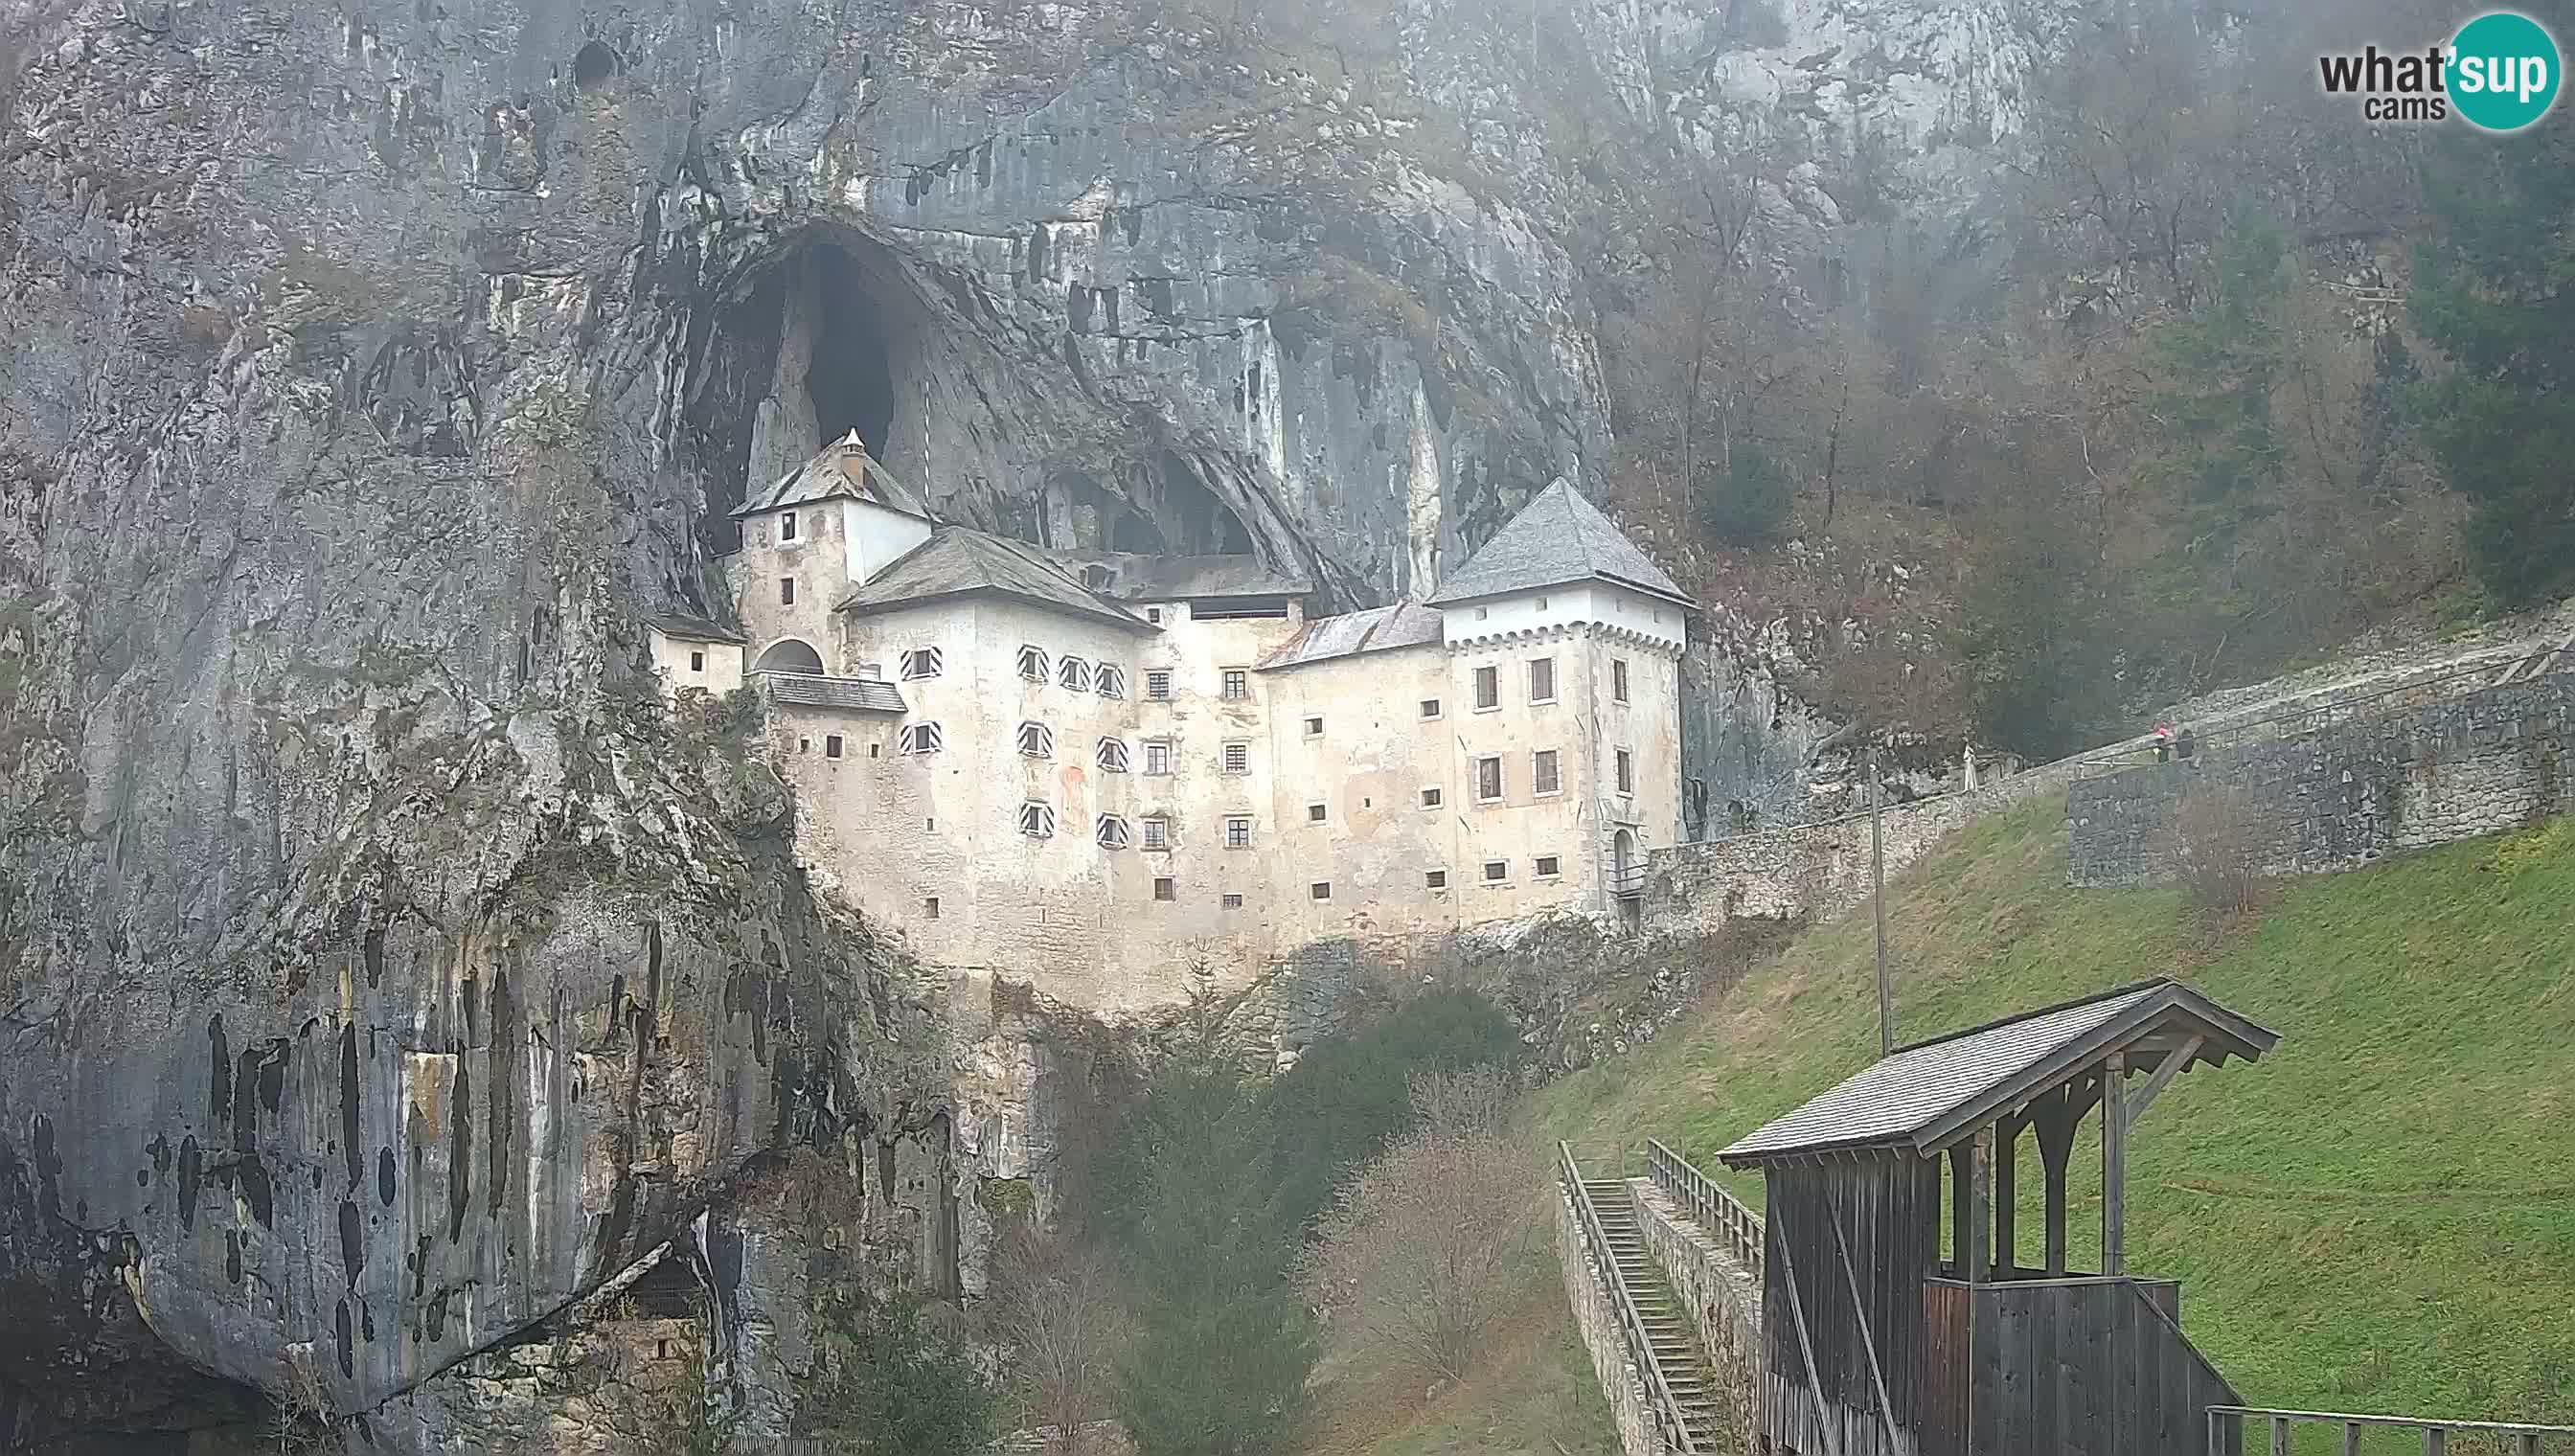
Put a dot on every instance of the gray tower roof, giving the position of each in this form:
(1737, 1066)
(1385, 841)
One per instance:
(1558, 539)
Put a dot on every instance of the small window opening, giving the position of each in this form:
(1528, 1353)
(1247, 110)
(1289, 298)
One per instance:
(1489, 687)
(592, 65)
(787, 591)
(1154, 615)
(930, 908)
(1321, 890)
(1112, 757)
(697, 662)
(787, 527)
(1543, 680)
(1543, 777)
(1627, 773)
(1037, 741)
(1036, 820)
(1237, 684)
(1234, 902)
(1547, 867)
(1111, 831)
(1157, 833)
(1430, 707)
(1158, 686)
(918, 737)
(1619, 680)
(1158, 756)
(1313, 814)
(1238, 758)
(1430, 799)
(1488, 779)
(922, 663)
(1435, 880)
(1313, 728)
(1496, 870)
(1166, 887)
(831, 745)
(1033, 663)
(1076, 674)
(1237, 833)
(1113, 681)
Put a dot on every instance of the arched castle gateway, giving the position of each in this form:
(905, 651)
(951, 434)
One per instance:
(1092, 770)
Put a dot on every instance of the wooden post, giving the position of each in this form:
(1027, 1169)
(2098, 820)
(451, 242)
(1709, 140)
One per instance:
(1975, 1172)
(2114, 1165)
(2055, 1149)
(2006, 1147)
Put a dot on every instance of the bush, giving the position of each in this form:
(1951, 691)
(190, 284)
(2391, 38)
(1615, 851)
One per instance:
(887, 1384)
(2221, 855)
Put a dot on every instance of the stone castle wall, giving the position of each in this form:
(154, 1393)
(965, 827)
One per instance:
(2344, 793)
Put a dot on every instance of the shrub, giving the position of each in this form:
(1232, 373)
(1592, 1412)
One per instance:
(1746, 500)
(887, 1384)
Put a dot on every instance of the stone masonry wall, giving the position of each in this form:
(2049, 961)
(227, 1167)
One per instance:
(2345, 793)
(1721, 1297)
(1596, 1316)
(1818, 869)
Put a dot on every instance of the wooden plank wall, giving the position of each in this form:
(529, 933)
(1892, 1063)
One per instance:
(2085, 1369)
(1886, 1211)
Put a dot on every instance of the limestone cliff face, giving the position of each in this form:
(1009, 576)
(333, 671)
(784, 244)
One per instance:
(381, 972)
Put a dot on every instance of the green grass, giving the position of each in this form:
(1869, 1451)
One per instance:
(2378, 1216)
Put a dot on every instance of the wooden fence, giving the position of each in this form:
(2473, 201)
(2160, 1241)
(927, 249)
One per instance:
(2228, 1425)
(1720, 1213)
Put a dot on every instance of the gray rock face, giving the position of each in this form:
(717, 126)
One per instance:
(381, 972)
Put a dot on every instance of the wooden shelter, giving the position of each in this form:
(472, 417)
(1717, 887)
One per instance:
(1874, 1345)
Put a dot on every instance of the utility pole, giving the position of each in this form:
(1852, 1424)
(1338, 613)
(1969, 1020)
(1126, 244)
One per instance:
(1878, 901)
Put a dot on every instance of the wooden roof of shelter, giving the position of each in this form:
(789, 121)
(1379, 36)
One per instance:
(1926, 1096)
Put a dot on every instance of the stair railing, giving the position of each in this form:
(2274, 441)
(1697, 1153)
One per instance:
(1664, 1407)
(1710, 1206)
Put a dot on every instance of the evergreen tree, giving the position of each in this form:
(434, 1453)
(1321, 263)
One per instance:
(2496, 293)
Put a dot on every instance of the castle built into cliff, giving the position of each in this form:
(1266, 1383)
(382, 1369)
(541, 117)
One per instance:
(1093, 771)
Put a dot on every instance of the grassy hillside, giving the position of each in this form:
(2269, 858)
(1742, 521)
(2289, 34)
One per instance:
(2380, 1215)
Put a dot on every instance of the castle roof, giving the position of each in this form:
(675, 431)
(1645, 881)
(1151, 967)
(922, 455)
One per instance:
(843, 470)
(1189, 577)
(857, 695)
(1377, 629)
(957, 562)
(1558, 539)
(693, 629)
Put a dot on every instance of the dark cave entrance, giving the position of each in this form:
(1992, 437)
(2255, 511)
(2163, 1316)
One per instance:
(849, 378)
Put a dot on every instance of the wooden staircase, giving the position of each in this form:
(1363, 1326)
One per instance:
(1675, 1344)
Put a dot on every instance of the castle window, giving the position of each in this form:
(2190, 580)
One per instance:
(1489, 689)
(1166, 887)
(1112, 757)
(1483, 611)
(1430, 708)
(1321, 890)
(1488, 779)
(1076, 674)
(1313, 814)
(1158, 684)
(1154, 615)
(1619, 680)
(787, 527)
(1238, 832)
(1110, 833)
(1496, 870)
(1112, 681)
(1435, 879)
(1237, 684)
(1033, 663)
(1313, 728)
(922, 663)
(1547, 867)
(697, 662)
(930, 908)
(1238, 758)
(1543, 777)
(831, 745)
(1157, 755)
(918, 737)
(787, 591)
(1157, 833)
(1541, 603)
(1543, 680)
(1099, 578)
(1627, 773)
(1036, 820)
(1234, 902)
(1430, 799)
(1037, 741)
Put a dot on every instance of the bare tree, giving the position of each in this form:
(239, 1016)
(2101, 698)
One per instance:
(1423, 1246)
(1055, 1304)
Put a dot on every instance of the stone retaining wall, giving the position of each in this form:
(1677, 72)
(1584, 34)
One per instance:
(1818, 869)
(1596, 1316)
(2345, 793)
(1721, 1297)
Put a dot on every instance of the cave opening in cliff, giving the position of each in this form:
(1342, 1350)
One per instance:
(848, 378)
